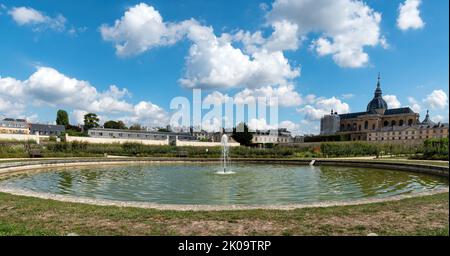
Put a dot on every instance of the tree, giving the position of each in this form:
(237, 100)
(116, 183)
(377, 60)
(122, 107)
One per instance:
(136, 127)
(62, 118)
(91, 121)
(115, 125)
(242, 135)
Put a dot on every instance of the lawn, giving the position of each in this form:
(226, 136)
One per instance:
(428, 215)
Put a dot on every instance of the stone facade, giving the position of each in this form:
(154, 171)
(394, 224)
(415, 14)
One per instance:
(379, 123)
(14, 126)
(330, 124)
(280, 136)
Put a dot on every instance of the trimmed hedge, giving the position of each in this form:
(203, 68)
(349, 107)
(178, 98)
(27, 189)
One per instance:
(432, 149)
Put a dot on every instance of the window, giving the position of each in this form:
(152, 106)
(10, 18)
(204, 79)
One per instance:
(366, 125)
(400, 123)
(373, 127)
(393, 123)
(410, 122)
(386, 123)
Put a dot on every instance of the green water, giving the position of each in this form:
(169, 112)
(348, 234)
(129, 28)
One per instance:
(195, 183)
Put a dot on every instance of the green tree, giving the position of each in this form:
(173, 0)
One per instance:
(115, 125)
(136, 127)
(91, 121)
(242, 135)
(62, 118)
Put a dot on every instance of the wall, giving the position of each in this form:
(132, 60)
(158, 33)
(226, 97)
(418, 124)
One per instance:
(21, 137)
(181, 143)
(112, 141)
(146, 142)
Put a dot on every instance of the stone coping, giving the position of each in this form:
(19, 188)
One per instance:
(196, 208)
(13, 168)
(9, 167)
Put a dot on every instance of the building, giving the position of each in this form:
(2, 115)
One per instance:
(47, 129)
(138, 135)
(279, 136)
(330, 124)
(379, 123)
(14, 126)
(425, 130)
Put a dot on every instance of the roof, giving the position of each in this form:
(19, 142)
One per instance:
(397, 111)
(352, 115)
(47, 127)
(139, 131)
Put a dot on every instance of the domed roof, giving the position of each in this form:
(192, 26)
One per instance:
(428, 121)
(377, 102)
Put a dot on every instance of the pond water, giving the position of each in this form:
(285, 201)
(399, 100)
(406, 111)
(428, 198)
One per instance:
(250, 184)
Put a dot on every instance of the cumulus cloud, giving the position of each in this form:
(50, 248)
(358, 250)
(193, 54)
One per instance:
(392, 101)
(49, 87)
(142, 28)
(38, 20)
(438, 99)
(213, 61)
(414, 105)
(345, 27)
(261, 124)
(321, 106)
(10, 88)
(409, 15)
(286, 95)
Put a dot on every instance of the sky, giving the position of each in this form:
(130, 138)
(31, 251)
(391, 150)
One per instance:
(127, 60)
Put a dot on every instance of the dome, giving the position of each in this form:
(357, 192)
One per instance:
(428, 120)
(377, 103)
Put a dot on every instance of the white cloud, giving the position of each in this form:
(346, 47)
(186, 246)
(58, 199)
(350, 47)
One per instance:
(142, 28)
(392, 101)
(323, 106)
(345, 27)
(217, 98)
(77, 116)
(409, 15)
(149, 114)
(261, 124)
(29, 16)
(47, 86)
(286, 95)
(284, 37)
(10, 90)
(438, 99)
(213, 61)
(440, 118)
(348, 96)
(414, 105)
(290, 126)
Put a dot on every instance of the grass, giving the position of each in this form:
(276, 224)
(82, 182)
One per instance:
(428, 215)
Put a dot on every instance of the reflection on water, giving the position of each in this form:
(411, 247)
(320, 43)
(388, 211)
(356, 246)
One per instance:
(251, 183)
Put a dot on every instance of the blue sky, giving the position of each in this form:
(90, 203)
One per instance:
(314, 55)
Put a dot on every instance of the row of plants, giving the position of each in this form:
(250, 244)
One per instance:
(355, 149)
(431, 149)
(434, 149)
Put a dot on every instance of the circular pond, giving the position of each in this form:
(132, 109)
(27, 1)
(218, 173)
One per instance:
(250, 184)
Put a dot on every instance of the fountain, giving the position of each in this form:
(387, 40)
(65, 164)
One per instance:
(225, 156)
